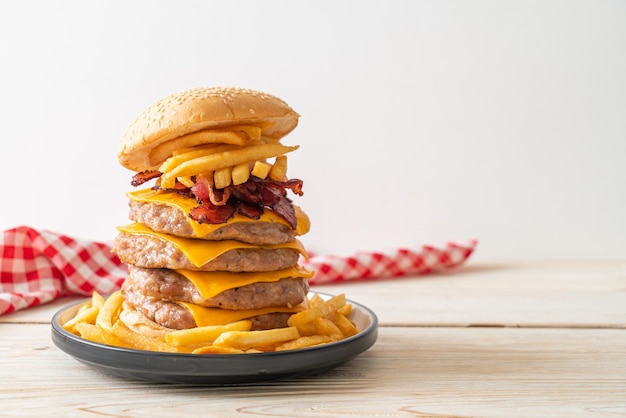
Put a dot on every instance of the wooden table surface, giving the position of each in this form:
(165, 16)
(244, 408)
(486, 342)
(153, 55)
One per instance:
(492, 340)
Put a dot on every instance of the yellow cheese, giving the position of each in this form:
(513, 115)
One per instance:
(212, 283)
(187, 203)
(215, 316)
(199, 251)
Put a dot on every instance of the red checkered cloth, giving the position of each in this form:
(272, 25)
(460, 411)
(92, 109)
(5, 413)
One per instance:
(399, 262)
(39, 266)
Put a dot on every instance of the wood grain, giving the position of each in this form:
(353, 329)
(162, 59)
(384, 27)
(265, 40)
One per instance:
(411, 371)
(510, 340)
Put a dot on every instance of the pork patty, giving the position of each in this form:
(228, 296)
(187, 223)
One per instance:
(152, 252)
(168, 284)
(171, 220)
(172, 315)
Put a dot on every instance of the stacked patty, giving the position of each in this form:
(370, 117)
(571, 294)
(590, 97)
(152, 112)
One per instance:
(187, 270)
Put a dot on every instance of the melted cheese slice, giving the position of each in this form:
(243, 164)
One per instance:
(187, 203)
(199, 251)
(212, 283)
(215, 316)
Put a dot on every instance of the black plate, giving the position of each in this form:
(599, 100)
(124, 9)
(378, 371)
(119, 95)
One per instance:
(215, 369)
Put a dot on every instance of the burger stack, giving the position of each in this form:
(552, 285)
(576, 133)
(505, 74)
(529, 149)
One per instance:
(213, 237)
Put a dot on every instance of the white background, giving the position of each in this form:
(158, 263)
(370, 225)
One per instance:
(422, 121)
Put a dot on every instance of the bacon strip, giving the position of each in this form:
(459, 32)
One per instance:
(211, 214)
(144, 176)
(249, 199)
(204, 190)
(249, 211)
(272, 194)
(295, 185)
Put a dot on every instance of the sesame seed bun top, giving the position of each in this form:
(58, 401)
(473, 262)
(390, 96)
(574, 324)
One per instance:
(201, 109)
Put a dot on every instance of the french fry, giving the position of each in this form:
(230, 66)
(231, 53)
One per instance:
(345, 309)
(83, 308)
(233, 137)
(261, 169)
(307, 329)
(94, 333)
(218, 160)
(181, 156)
(309, 315)
(111, 321)
(91, 332)
(186, 180)
(184, 154)
(97, 299)
(245, 340)
(204, 335)
(303, 342)
(241, 173)
(325, 326)
(348, 329)
(212, 349)
(87, 315)
(222, 177)
(139, 341)
(279, 168)
(109, 311)
(114, 341)
(315, 300)
(254, 132)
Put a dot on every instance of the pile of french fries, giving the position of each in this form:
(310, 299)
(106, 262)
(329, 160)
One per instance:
(324, 321)
(241, 152)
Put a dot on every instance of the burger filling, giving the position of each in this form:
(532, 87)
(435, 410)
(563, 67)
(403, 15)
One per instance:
(171, 220)
(148, 251)
(175, 316)
(250, 199)
(171, 285)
